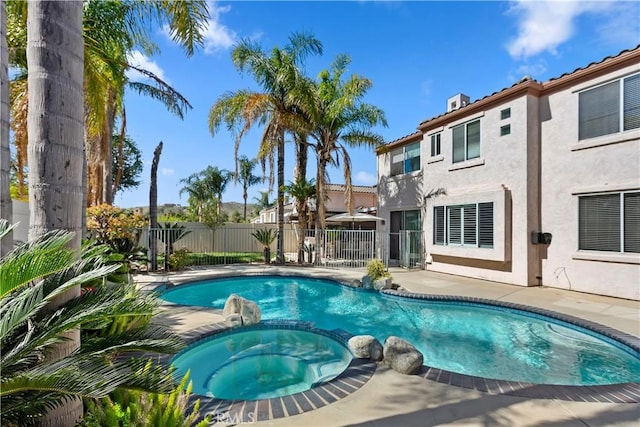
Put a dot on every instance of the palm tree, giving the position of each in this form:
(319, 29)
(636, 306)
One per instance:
(114, 320)
(338, 118)
(247, 179)
(277, 73)
(262, 202)
(6, 206)
(153, 208)
(302, 191)
(206, 185)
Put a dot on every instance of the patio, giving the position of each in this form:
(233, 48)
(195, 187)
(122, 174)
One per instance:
(391, 399)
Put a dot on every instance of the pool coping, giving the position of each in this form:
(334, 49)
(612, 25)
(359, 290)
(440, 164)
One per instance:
(356, 374)
(612, 393)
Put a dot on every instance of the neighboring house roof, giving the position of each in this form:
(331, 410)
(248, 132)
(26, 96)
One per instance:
(354, 188)
(525, 85)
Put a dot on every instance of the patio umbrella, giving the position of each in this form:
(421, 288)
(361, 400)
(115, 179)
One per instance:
(356, 217)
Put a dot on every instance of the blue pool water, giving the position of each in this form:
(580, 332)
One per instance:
(261, 363)
(468, 338)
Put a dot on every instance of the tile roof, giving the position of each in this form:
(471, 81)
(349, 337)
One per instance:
(355, 188)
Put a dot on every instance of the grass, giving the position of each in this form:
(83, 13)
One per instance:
(214, 258)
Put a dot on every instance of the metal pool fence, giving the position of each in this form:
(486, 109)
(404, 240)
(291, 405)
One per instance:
(200, 245)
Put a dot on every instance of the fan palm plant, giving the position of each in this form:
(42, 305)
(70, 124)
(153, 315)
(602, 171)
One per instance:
(35, 381)
(266, 236)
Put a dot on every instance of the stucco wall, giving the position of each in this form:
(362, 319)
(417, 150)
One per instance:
(21, 219)
(571, 168)
(501, 175)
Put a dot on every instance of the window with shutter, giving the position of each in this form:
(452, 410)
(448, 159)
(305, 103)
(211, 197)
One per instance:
(632, 102)
(470, 222)
(609, 222)
(455, 225)
(438, 225)
(485, 225)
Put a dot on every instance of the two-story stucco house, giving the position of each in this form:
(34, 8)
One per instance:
(537, 184)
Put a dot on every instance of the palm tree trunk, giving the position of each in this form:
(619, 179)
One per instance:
(280, 241)
(119, 172)
(55, 58)
(106, 142)
(244, 207)
(6, 206)
(153, 209)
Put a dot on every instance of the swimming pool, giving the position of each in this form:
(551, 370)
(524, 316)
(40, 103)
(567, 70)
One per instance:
(262, 362)
(460, 336)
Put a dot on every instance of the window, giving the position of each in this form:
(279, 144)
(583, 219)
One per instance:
(505, 114)
(609, 222)
(609, 108)
(435, 144)
(505, 130)
(464, 225)
(405, 159)
(466, 141)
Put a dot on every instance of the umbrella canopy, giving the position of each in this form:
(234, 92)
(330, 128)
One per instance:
(356, 217)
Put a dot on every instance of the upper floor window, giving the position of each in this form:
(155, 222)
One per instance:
(435, 144)
(610, 108)
(464, 225)
(609, 222)
(505, 114)
(505, 130)
(466, 141)
(405, 159)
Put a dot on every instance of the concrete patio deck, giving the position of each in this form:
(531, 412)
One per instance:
(391, 399)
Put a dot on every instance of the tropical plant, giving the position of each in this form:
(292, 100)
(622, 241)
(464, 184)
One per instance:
(179, 259)
(277, 73)
(377, 270)
(337, 118)
(204, 187)
(153, 208)
(134, 408)
(247, 179)
(169, 234)
(37, 383)
(262, 202)
(302, 191)
(266, 236)
(127, 162)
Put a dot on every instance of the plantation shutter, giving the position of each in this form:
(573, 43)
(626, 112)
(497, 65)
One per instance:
(438, 225)
(473, 140)
(455, 224)
(599, 111)
(632, 102)
(485, 225)
(599, 223)
(632, 222)
(458, 144)
(469, 229)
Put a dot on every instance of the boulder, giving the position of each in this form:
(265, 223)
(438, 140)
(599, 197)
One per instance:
(367, 283)
(382, 283)
(366, 347)
(356, 284)
(250, 312)
(240, 308)
(402, 356)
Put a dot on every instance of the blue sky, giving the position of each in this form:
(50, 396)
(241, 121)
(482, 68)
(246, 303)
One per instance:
(417, 55)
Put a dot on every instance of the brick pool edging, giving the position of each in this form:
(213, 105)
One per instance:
(357, 374)
(613, 393)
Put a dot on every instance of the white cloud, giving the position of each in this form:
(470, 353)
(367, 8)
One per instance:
(138, 59)
(545, 24)
(167, 171)
(365, 178)
(217, 36)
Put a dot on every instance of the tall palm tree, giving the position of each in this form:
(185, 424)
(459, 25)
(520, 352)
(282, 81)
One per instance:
(114, 320)
(247, 179)
(55, 152)
(277, 73)
(6, 206)
(302, 191)
(337, 119)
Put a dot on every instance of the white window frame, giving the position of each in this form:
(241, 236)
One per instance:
(402, 155)
(476, 209)
(620, 110)
(465, 138)
(622, 224)
(436, 144)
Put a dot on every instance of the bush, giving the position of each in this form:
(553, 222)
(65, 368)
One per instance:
(178, 259)
(376, 270)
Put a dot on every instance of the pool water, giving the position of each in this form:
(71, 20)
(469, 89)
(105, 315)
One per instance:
(463, 337)
(261, 363)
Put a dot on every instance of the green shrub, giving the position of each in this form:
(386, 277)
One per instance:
(132, 408)
(376, 269)
(178, 259)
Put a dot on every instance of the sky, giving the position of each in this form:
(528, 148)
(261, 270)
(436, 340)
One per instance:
(416, 53)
